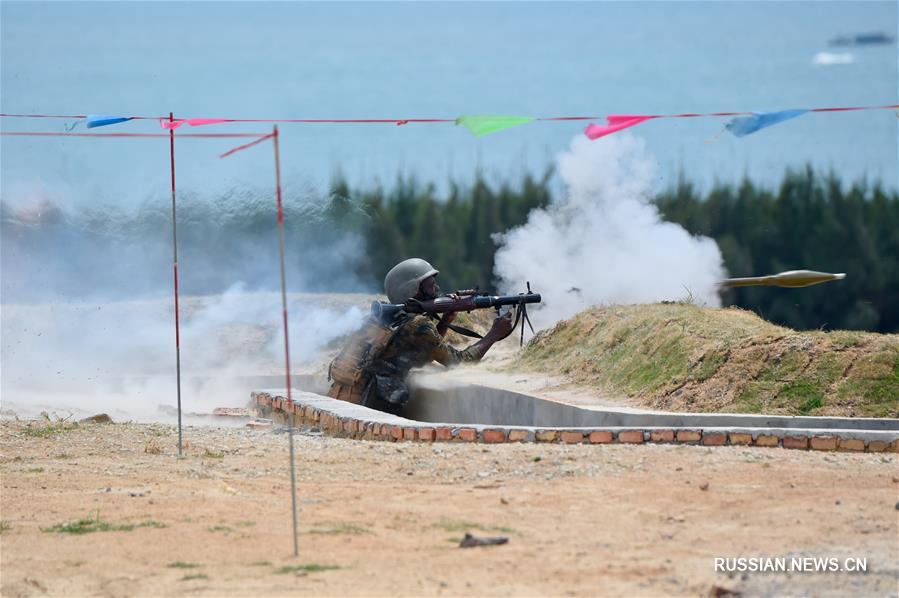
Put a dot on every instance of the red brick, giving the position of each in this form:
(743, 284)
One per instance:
(571, 437)
(824, 443)
(767, 440)
(877, 446)
(443, 434)
(600, 436)
(396, 432)
(851, 444)
(468, 434)
(894, 446)
(631, 436)
(545, 435)
(795, 442)
(494, 435)
(410, 433)
(740, 438)
(661, 435)
(426, 434)
(714, 438)
(518, 435)
(688, 436)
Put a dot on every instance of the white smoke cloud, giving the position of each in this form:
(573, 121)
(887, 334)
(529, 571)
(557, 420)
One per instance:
(87, 315)
(119, 357)
(604, 242)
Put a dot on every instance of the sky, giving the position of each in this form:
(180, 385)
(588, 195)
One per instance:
(433, 60)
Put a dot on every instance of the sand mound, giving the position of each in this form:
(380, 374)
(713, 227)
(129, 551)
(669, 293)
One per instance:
(682, 357)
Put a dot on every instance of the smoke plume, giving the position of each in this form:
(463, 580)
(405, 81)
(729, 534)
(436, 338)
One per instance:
(87, 313)
(603, 242)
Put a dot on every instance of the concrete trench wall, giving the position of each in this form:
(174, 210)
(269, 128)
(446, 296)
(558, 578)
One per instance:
(458, 414)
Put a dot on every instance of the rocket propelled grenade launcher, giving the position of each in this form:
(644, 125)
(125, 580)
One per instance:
(466, 300)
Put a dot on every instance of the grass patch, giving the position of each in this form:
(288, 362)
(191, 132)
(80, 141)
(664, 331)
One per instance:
(183, 565)
(47, 430)
(810, 404)
(245, 523)
(803, 394)
(340, 528)
(213, 455)
(5, 527)
(710, 363)
(220, 528)
(450, 525)
(95, 524)
(749, 401)
(261, 564)
(310, 568)
(193, 576)
(36, 470)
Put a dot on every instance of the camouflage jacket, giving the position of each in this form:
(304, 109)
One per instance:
(418, 343)
(415, 343)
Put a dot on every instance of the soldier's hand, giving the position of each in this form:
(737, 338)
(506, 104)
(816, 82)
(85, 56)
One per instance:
(449, 316)
(502, 327)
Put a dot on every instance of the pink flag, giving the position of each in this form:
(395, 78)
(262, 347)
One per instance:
(194, 122)
(616, 123)
(170, 124)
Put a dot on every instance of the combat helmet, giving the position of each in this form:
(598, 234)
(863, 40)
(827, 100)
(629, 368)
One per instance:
(402, 281)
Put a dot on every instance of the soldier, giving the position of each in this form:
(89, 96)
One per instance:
(371, 369)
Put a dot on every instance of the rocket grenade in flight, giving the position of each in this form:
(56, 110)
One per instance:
(790, 279)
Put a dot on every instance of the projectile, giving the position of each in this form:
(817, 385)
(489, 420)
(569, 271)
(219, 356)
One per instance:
(790, 279)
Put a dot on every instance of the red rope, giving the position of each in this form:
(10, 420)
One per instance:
(214, 135)
(246, 145)
(403, 121)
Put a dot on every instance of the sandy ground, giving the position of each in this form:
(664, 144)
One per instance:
(586, 520)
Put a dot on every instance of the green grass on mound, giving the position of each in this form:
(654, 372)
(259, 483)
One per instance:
(682, 357)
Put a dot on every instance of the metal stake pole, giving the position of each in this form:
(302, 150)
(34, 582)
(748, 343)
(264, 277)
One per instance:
(293, 477)
(175, 271)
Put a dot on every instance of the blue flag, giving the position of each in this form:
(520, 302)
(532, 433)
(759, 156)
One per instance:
(745, 125)
(97, 120)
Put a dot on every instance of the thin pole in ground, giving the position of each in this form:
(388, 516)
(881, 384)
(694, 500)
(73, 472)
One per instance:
(293, 476)
(175, 272)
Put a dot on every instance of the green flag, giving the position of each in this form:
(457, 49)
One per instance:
(484, 125)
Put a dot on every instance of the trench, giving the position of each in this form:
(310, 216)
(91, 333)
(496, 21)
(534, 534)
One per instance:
(443, 402)
(483, 405)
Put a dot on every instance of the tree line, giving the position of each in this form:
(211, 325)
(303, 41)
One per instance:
(811, 221)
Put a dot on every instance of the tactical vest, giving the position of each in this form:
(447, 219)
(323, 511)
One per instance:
(352, 365)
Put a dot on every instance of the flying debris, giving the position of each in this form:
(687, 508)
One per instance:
(790, 279)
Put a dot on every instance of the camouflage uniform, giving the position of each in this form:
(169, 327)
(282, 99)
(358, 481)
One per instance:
(415, 343)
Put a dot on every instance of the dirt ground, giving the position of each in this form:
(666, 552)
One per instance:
(378, 518)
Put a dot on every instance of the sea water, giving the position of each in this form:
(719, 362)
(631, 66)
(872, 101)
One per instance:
(437, 60)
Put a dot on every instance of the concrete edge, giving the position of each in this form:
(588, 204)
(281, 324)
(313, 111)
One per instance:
(342, 419)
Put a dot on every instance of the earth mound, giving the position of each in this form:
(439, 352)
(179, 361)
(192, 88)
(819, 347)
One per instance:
(682, 357)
